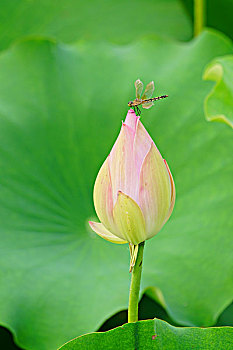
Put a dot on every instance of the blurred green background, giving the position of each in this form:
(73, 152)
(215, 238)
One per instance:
(67, 72)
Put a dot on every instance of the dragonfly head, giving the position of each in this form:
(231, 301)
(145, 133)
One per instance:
(130, 103)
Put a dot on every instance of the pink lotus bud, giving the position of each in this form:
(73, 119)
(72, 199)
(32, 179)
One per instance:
(134, 192)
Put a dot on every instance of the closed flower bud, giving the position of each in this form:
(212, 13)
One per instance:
(134, 192)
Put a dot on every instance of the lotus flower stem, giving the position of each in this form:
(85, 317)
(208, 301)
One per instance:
(199, 16)
(135, 286)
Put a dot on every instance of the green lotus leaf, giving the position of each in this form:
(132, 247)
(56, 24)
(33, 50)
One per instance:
(61, 108)
(219, 102)
(116, 20)
(155, 334)
(226, 318)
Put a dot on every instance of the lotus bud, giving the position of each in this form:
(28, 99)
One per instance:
(134, 192)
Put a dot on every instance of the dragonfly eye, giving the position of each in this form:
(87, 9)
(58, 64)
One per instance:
(130, 103)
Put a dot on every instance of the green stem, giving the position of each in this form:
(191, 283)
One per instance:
(199, 16)
(135, 286)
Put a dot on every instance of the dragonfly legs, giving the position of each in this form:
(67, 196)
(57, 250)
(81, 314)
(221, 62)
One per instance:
(137, 110)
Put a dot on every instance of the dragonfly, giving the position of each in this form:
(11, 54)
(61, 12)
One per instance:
(146, 100)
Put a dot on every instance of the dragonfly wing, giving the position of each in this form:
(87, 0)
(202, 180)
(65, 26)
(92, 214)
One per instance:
(147, 105)
(148, 91)
(139, 87)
